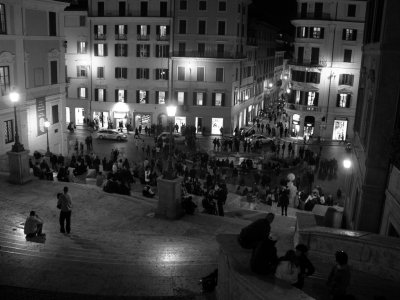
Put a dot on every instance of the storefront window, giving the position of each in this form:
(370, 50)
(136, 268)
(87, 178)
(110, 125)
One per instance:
(216, 125)
(339, 130)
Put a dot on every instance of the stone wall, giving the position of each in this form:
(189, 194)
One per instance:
(368, 252)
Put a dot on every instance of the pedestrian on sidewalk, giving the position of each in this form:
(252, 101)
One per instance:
(65, 205)
(33, 225)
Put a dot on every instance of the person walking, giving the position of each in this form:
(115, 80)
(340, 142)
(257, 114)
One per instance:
(65, 205)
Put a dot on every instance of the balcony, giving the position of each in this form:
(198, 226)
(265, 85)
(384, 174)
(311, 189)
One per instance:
(210, 54)
(308, 63)
(312, 16)
(143, 37)
(300, 107)
(162, 37)
(100, 36)
(121, 37)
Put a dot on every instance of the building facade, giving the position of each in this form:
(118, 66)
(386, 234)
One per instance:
(32, 64)
(325, 71)
(374, 196)
(127, 60)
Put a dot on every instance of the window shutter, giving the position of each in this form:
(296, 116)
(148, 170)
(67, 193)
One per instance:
(351, 80)
(322, 32)
(125, 96)
(338, 100)
(194, 98)
(137, 97)
(185, 98)
(306, 32)
(126, 50)
(137, 50)
(348, 99)
(116, 29)
(298, 32)
(105, 29)
(137, 73)
(125, 73)
(138, 29)
(96, 30)
(105, 95)
(213, 99)
(105, 50)
(116, 72)
(147, 50)
(301, 97)
(96, 50)
(355, 35)
(96, 94)
(77, 71)
(311, 31)
(157, 102)
(316, 99)
(166, 97)
(158, 29)
(157, 74)
(157, 50)
(125, 29)
(148, 29)
(147, 97)
(223, 99)
(344, 34)
(77, 93)
(78, 48)
(318, 77)
(147, 73)
(86, 93)
(116, 52)
(204, 99)
(116, 95)
(168, 30)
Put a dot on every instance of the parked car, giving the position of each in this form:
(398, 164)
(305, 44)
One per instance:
(178, 138)
(261, 139)
(111, 134)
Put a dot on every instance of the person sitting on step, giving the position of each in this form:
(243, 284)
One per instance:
(33, 225)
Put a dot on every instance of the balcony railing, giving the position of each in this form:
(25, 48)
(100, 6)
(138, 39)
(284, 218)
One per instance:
(312, 16)
(121, 37)
(143, 37)
(308, 63)
(300, 107)
(209, 54)
(100, 36)
(162, 37)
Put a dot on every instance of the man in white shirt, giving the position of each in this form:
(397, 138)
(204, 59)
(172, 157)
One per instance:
(33, 225)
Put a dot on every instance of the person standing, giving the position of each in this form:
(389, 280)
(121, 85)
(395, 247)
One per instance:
(65, 204)
(339, 277)
(284, 198)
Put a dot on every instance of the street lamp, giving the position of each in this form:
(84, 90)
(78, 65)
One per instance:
(347, 163)
(47, 125)
(17, 147)
(171, 111)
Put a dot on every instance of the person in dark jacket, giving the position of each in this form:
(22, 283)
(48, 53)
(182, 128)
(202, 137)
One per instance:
(284, 197)
(306, 267)
(339, 278)
(256, 232)
(264, 257)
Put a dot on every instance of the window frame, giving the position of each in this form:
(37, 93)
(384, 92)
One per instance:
(216, 75)
(181, 73)
(3, 19)
(83, 95)
(218, 27)
(200, 77)
(219, 6)
(4, 85)
(9, 133)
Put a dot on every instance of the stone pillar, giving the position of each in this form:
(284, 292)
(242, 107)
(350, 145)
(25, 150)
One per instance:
(169, 198)
(19, 167)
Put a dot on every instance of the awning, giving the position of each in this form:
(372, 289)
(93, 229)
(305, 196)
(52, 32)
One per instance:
(301, 86)
(345, 91)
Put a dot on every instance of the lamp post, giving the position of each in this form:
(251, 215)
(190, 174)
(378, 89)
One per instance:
(17, 147)
(171, 111)
(47, 125)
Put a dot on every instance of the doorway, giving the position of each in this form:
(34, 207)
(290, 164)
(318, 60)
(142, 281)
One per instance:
(199, 125)
(180, 121)
(216, 125)
(67, 115)
(79, 115)
(339, 130)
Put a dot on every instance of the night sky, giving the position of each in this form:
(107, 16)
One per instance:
(275, 12)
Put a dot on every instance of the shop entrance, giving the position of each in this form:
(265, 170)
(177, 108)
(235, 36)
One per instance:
(339, 130)
(309, 123)
(180, 121)
(216, 125)
(143, 119)
(101, 119)
(79, 115)
(199, 125)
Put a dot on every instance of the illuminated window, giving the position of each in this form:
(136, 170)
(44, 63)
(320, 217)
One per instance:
(302, 32)
(310, 98)
(3, 24)
(121, 73)
(161, 97)
(82, 47)
(343, 100)
(142, 73)
(121, 96)
(219, 99)
(100, 32)
(199, 99)
(349, 34)
(100, 95)
(100, 49)
(121, 32)
(316, 32)
(100, 72)
(8, 131)
(297, 99)
(82, 93)
(142, 97)
(181, 98)
(162, 32)
(181, 73)
(4, 80)
(143, 32)
(82, 71)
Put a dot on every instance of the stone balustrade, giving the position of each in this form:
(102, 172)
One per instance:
(371, 253)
